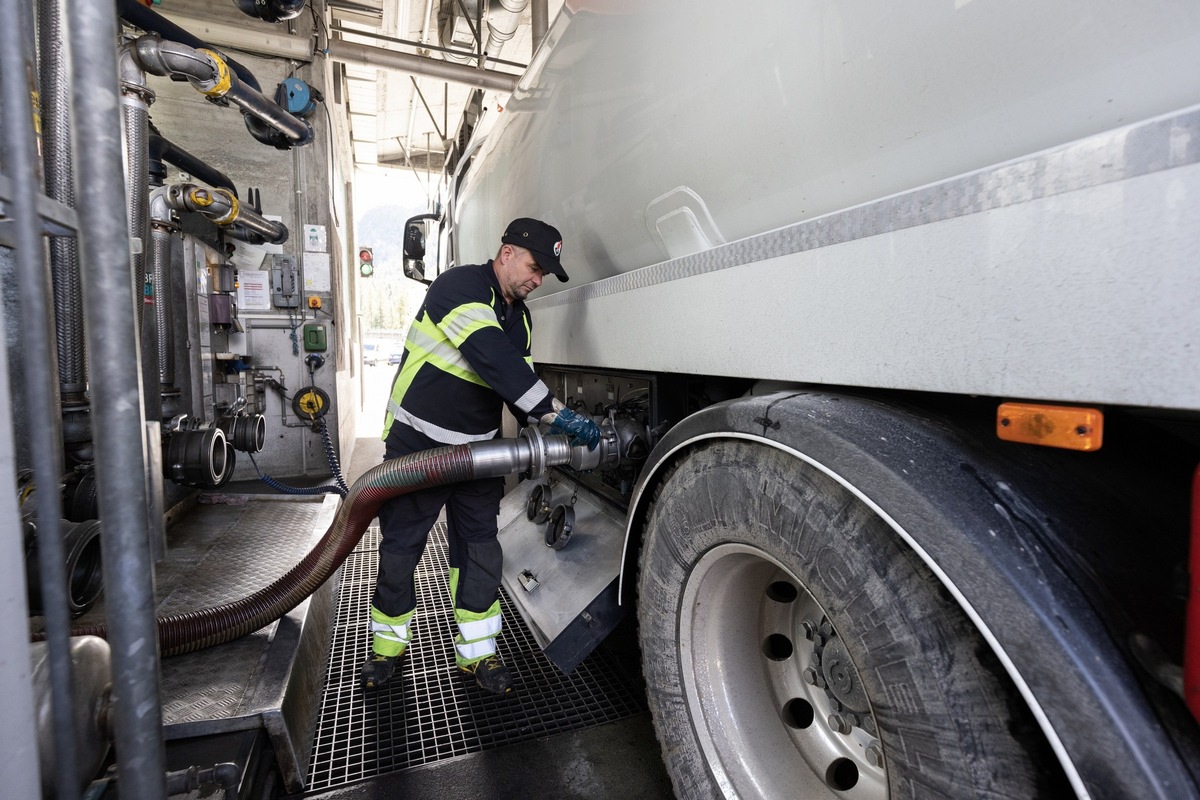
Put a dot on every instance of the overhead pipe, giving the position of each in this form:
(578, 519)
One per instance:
(113, 349)
(530, 452)
(142, 17)
(361, 55)
(223, 209)
(503, 16)
(139, 15)
(209, 73)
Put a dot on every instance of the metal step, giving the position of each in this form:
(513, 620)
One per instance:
(433, 712)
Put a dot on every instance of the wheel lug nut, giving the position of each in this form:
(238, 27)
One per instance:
(826, 629)
(874, 755)
(810, 676)
(838, 724)
(810, 629)
(868, 723)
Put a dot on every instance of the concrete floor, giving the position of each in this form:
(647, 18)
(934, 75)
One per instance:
(615, 760)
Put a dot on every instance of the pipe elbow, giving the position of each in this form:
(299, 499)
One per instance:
(206, 70)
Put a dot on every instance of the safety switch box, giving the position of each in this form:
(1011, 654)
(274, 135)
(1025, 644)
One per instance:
(314, 338)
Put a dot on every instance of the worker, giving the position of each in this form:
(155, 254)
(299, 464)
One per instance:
(466, 356)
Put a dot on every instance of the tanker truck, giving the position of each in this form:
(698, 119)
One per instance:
(887, 313)
(891, 314)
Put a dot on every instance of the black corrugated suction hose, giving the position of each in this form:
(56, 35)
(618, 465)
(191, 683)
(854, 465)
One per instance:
(196, 630)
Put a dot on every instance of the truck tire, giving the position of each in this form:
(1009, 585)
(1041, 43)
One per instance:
(794, 647)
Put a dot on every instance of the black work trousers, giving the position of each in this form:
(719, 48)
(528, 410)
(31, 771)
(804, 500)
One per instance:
(405, 522)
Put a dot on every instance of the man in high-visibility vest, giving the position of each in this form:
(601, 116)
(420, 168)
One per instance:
(467, 355)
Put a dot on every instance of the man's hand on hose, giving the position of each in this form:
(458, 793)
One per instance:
(579, 427)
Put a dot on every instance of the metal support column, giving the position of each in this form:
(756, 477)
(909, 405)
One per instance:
(115, 358)
(21, 165)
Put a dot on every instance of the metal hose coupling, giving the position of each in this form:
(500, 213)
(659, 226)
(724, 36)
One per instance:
(534, 453)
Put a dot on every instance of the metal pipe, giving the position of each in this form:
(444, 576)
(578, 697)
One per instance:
(502, 20)
(163, 149)
(21, 163)
(361, 55)
(539, 23)
(139, 15)
(64, 250)
(162, 228)
(222, 208)
(209, 73)
(135, 112)
(116, 393)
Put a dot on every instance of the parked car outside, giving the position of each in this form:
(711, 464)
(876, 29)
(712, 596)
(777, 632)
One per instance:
(395, 358)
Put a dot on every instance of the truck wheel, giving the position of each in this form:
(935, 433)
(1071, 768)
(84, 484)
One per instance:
(794, 647)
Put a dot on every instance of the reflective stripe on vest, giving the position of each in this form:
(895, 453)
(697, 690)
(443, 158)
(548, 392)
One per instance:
(436, 432)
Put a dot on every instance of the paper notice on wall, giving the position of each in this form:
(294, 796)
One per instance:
(254, 290)
(248, 256)
(314, 239)
(316, 272)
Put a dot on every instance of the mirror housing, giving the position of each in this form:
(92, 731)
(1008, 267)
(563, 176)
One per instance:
(414, 247)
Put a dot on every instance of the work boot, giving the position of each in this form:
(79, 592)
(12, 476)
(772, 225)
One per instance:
(491, 674)
(376, 670)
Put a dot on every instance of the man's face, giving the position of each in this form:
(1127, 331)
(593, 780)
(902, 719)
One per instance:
(517, 272)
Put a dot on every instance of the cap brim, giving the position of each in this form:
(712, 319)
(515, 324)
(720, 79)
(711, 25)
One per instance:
(548, 264)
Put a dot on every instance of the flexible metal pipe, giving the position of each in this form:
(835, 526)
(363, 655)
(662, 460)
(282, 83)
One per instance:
(116, 400)
(135, 113)
(162, 228)
(195, 630)
(220, 206)
(20, 158)
(64, 251)
(210, 74)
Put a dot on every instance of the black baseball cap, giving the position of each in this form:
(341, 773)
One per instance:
(544, 241)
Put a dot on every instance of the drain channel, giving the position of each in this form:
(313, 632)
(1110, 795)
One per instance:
(435, 712)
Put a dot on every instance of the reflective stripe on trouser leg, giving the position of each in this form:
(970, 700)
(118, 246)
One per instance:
(477, 631)
(390, 635)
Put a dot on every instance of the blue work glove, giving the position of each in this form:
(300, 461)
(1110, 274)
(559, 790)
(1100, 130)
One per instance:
(579, 427)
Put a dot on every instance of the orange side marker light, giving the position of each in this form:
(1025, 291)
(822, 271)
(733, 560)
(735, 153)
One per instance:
(1069, 427)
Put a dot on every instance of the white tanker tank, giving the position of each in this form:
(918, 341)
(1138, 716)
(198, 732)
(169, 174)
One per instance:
(816, 251)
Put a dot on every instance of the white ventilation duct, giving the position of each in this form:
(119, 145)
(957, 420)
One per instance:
(457, 22)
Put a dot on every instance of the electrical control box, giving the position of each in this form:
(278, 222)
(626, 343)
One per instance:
(314, 338)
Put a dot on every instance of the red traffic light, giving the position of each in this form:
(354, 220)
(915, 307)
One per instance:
(364, 254)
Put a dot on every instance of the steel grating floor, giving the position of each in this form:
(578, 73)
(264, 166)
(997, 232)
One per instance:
(433, 712)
